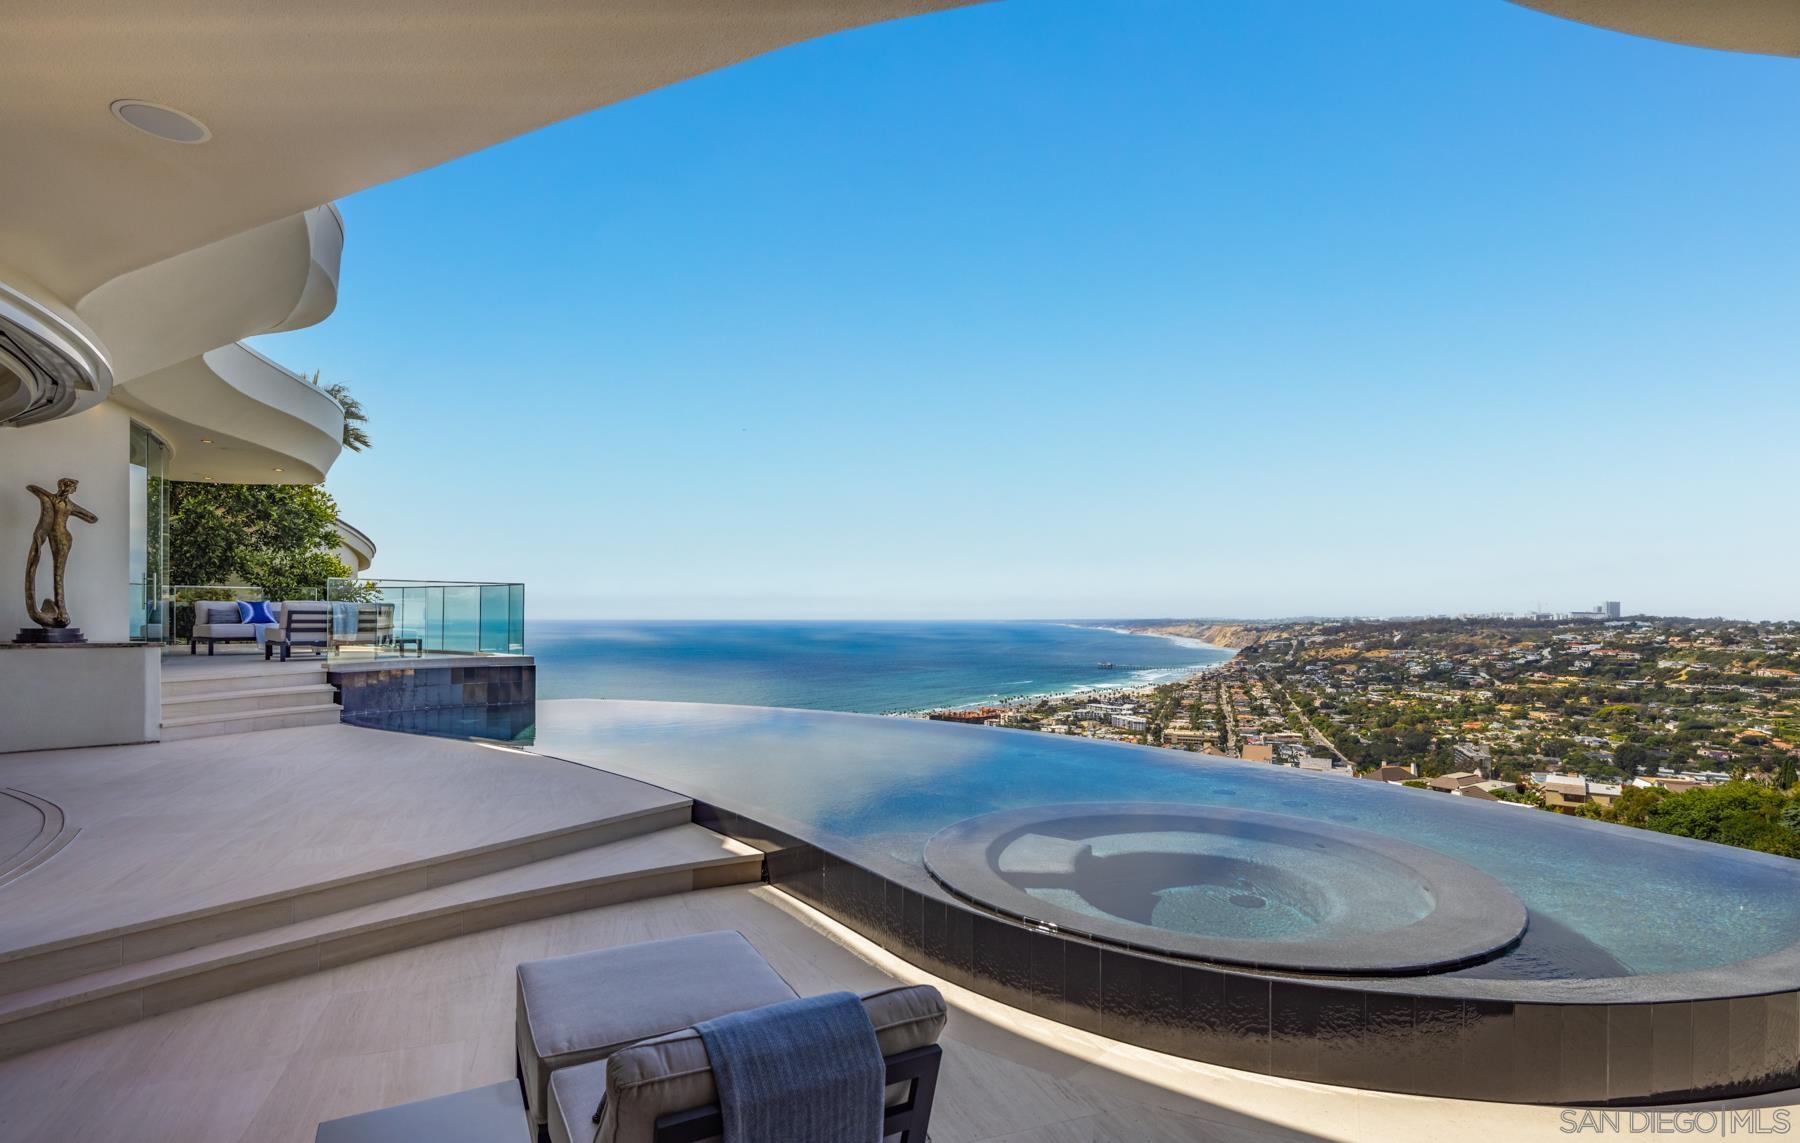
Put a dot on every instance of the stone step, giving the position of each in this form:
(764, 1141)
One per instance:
(244, 722)
(47, 964)
(672, 860)
(245, 673)
(208, 705)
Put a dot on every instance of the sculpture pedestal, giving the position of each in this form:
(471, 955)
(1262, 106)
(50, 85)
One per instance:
(59, 695)
(50, 635)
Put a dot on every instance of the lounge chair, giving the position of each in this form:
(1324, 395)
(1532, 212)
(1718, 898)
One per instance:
(662, 1090)
(591, 1073)
(577, 1009)
(304, 623)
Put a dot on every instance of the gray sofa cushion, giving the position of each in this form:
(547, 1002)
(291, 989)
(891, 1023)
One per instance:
(672, 1072)
(215, 611)
(224, 631)
(218, 619)
(574, 1009)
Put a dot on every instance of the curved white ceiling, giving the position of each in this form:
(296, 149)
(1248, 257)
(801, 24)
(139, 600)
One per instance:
(309, 102)
(1771, 27)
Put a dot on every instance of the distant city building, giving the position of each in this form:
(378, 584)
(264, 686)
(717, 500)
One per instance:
(1475, 755)
(977, 717)
(1195, 737)
(1609, 609)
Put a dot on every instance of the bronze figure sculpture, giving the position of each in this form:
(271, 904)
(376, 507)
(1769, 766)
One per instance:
(53, 530)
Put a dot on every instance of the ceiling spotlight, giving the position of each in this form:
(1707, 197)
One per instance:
(162, 122)
(281, 470)
(205, 440)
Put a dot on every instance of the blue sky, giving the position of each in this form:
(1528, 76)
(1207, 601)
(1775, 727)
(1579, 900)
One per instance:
(1061, 308)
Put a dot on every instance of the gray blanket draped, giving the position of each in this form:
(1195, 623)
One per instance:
(805, 1071)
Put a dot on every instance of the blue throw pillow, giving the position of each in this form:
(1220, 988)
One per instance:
(256, 611)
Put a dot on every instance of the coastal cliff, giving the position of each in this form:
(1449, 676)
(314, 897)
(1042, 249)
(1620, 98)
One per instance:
(1235, 636)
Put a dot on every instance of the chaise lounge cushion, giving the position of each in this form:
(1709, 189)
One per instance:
(574, 1094)
(574, 1009)
(672, 1072)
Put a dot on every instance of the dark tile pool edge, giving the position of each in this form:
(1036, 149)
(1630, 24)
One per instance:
(392, 686)
(1320, 1031)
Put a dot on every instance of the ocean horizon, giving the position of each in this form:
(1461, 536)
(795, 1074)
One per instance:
(862, 667)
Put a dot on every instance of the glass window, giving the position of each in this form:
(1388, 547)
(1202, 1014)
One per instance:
(147, 541)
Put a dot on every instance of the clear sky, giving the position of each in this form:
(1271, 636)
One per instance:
(1063, 308)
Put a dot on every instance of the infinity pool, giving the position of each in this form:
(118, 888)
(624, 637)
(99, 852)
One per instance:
(1604, 901)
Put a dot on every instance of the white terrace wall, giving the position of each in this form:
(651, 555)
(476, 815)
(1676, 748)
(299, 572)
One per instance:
(94, 448)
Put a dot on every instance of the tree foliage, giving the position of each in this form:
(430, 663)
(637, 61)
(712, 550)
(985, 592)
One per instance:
(1736, 813)
(277, 537)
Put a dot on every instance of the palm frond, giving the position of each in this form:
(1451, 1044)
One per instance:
(356, 438)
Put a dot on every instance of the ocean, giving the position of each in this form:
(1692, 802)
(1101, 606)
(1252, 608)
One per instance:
(861, 667)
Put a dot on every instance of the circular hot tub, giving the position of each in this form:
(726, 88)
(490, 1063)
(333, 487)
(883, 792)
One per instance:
(1230, 886)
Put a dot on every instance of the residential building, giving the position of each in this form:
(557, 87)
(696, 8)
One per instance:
(1324, 765)
(1475, 756)
(1394, 773)
(1487, 791)
(1455, 781)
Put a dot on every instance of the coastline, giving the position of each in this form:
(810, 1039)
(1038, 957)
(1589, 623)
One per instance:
(1101, 692)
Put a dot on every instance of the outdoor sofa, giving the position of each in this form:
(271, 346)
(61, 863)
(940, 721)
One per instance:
(216, 621)
(299, 624)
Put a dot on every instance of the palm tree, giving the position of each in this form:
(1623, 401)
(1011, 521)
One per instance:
(356, 438)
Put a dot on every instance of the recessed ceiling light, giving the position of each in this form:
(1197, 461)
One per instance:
(205, 440)
(281, 470)
(162, 122)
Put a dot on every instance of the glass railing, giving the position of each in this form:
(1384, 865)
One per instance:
(438, 615)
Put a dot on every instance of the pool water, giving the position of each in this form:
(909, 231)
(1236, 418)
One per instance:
(1236, 889)
(1243, 910)
(1610, 900)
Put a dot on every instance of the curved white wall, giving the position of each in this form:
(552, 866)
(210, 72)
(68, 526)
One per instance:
(279, 276)
(354, 547)
(234, 416)
(325, 237)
